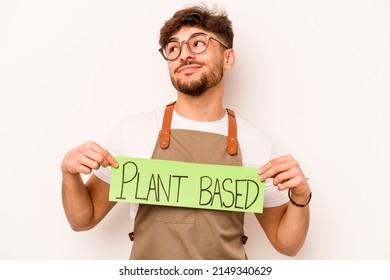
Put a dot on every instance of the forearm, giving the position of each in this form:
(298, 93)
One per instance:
(77, 202)
(286, 226)
(292, 230)
(85, 204)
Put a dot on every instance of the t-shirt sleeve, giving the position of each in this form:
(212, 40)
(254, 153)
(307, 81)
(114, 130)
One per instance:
(257, 149)
(135, 136)
(272, 196)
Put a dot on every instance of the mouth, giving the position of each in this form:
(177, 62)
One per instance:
(187, 68)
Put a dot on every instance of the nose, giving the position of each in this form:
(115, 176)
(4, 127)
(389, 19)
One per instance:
(185, 52)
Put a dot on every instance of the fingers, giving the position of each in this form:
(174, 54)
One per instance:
(286, 173)
(99, 154)
(277, 166)
(284, 179)
(87, 157)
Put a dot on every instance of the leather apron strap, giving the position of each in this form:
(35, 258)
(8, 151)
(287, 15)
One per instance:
(166, 129)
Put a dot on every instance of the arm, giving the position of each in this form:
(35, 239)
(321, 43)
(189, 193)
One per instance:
(85, 205)
(286, 226)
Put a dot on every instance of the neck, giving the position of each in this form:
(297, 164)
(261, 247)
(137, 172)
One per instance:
(206, 107)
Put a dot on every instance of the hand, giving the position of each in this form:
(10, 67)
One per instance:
(287, 174)
(87, 157)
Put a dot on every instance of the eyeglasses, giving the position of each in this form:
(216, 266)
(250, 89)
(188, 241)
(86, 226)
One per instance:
(197, 43)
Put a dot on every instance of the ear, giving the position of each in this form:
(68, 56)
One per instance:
(230, 58)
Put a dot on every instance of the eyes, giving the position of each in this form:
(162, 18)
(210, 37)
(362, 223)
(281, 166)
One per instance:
(172, 47)
(196, 44)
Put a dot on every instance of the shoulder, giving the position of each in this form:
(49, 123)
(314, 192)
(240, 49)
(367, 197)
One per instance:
(150, 118)
(249, 132)
(256, 146)
(256, 150)
(136, 134)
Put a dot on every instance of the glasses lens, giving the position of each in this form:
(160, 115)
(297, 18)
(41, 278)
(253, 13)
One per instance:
(172, 50)
(198, 44)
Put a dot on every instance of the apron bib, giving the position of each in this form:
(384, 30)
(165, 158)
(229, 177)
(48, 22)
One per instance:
(164, 232)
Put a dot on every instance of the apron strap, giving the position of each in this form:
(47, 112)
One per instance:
(166, 129)
(166, 126)
(232, 133)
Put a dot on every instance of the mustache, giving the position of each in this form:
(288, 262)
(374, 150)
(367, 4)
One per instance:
(186, 63)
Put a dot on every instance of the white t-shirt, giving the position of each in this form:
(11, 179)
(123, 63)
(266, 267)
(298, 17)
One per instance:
(136, 136)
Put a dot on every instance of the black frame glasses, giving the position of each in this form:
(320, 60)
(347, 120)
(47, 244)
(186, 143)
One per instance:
(192, 46)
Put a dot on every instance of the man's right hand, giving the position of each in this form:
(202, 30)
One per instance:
(85, 158)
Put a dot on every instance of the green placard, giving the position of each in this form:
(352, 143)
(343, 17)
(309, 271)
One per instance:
(173, 183)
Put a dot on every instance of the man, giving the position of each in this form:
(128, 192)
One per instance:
(197, 45)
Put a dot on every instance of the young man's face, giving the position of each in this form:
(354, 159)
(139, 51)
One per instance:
(191, 73)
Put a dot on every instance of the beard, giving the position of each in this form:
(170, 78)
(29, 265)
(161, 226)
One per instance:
(201, 85)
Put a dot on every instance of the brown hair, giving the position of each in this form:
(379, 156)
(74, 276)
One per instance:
(211, 20)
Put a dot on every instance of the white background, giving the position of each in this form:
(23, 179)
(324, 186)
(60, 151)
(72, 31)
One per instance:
(313, 75)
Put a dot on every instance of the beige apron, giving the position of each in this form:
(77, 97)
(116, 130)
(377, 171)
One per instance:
(162, 232)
